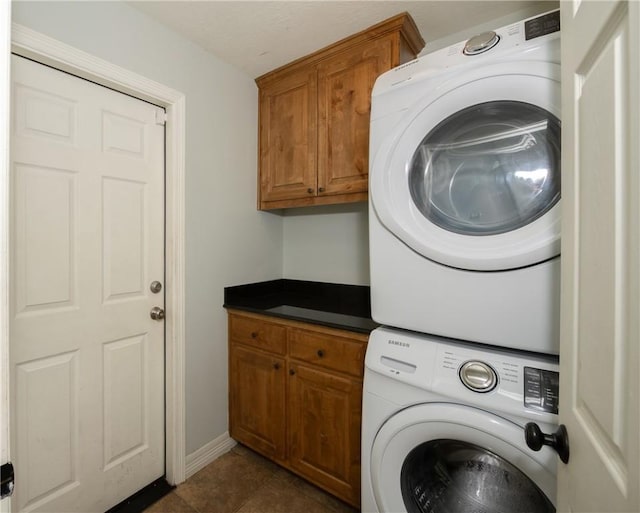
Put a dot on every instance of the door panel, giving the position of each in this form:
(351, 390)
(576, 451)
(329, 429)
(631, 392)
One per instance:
(50, 422)
(88, 237)
(44, 201)
(125, 389)
(123, 220)
(600, 257)
(40, 114)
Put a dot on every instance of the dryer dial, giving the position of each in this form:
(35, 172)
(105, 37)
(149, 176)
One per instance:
(478, 376)
(481, 43)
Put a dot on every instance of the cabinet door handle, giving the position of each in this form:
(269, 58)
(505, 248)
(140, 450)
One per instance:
(254, 334)
(276, 366)
(321, 189)
(292, 372)
(320, 353)
(310, 190)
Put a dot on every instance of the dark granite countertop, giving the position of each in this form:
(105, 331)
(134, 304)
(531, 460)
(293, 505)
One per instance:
(334, 305)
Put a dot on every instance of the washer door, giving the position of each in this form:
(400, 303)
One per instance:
(471, 178)
(447, 458)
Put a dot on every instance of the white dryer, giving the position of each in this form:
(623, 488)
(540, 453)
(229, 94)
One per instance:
(465, 190)
(443, 427)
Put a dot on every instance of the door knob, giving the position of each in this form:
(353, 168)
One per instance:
(559, 440)
(157, 313)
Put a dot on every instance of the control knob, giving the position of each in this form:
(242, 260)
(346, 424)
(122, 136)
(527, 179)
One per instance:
(481, 43)
(478, 376)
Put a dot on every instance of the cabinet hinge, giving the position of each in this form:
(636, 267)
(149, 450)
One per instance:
(161, 117)
(7, 480)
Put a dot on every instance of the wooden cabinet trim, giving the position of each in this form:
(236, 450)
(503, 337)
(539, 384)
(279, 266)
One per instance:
(402, 23)
(331, 199)
(363, 337)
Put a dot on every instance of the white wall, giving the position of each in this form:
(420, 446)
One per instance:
(328, 243)
(227, 241)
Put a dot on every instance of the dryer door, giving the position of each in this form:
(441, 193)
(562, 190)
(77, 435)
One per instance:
(471, 178)
(448, 458)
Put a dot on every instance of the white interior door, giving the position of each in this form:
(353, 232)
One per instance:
(600, 342)
(87, 232)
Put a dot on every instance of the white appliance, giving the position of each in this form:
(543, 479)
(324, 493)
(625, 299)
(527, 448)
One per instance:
(443, 427)
(465, 190)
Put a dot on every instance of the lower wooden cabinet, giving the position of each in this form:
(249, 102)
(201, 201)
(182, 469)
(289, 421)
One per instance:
(295, 396)
(324, 429)
(258, 398)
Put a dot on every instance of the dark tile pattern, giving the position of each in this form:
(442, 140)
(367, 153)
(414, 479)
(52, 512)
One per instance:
(244, 482)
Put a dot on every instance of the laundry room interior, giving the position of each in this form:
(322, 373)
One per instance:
(323, 255)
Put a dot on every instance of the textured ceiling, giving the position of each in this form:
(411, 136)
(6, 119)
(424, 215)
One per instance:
(258, 36)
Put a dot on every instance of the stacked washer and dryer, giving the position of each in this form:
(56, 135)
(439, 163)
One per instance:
(464, 220)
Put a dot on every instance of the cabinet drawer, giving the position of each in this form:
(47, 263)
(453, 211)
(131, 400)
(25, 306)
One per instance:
(332, 352)
(257, 333)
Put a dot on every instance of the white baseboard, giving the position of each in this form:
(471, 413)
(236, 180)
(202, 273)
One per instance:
(200, 458)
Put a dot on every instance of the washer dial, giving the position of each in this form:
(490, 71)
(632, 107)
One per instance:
(478, 376)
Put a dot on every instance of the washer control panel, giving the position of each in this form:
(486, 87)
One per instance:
(478, 376)
(541, 389)
(498, 379)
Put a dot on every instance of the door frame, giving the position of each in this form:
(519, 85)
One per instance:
(5, 60)
(46, 50)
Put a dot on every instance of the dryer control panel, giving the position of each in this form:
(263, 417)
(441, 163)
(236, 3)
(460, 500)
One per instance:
(542, 25)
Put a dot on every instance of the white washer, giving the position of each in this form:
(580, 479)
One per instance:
(429, 443)
(465, 190)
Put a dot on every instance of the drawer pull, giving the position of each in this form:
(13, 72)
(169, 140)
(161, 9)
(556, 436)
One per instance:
(292, 371)
(254, 334)
(320, 353)
(276, 366)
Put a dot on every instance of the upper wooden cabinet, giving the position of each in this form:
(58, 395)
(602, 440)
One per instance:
(314, 117)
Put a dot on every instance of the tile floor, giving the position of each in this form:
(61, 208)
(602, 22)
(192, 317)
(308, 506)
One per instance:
(242, 481)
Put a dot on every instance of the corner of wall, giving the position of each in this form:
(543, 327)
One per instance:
(209, 452)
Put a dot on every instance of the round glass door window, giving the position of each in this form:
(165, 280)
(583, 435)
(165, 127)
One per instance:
(488, 169)
(449, 476)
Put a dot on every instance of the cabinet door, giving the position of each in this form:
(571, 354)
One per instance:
(288, 137)
(324, 430)
(344, 104)
(256, 401)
